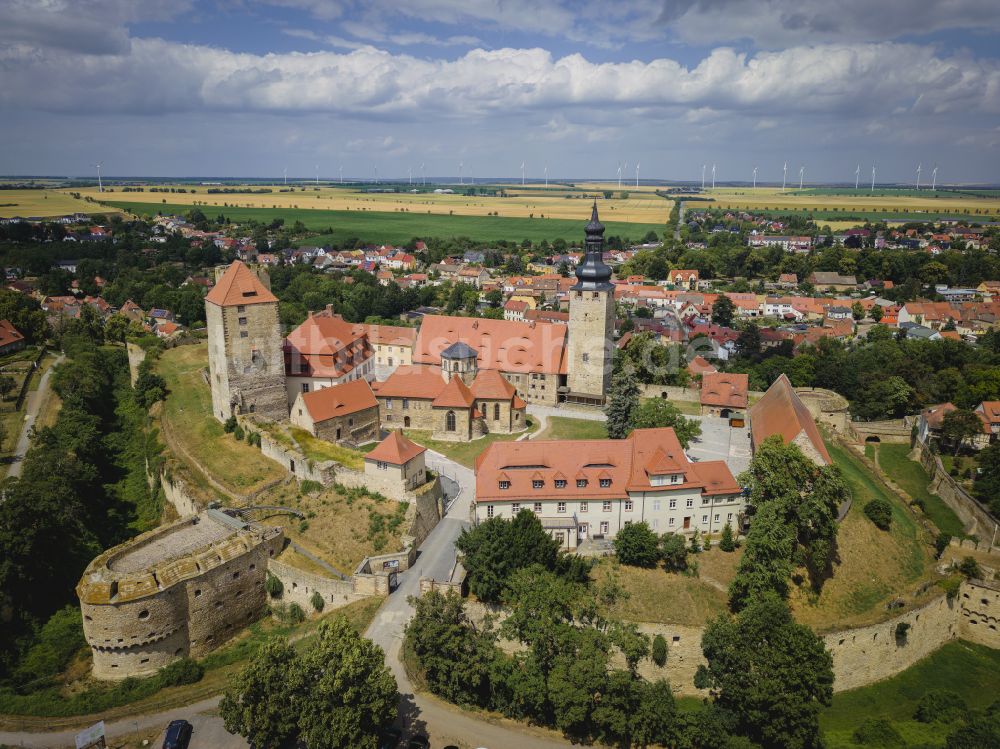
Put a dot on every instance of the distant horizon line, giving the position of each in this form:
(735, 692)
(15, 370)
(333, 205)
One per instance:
(553, 182)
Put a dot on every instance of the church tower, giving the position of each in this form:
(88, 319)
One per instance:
(246, 361)
(591, 321)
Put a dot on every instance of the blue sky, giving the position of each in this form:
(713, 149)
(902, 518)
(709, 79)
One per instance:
(250, 88)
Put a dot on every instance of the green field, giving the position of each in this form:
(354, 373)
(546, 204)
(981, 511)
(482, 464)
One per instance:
(971, 670)
(885, 192)
(913, 479)
(398, 228)
(568, 428)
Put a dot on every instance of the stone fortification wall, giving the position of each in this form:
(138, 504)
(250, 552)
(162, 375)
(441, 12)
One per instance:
(293, 461)
(299, 587)
(895, 431)
(861, 655)
(826, 407)
(176, 492)
(975, 517)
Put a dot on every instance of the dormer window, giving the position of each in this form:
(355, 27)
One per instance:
(537, 483)
(605, 483)
(505, 485)
(581, 483)
(560, 483)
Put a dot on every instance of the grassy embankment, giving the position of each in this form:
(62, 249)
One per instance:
(187, 419)
(911, 477)
(873, 567)
(400, 227)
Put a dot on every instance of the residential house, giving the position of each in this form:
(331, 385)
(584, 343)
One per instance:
(341, 413)
(723, 393)
(11, 339)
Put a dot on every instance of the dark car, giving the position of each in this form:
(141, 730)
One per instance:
(178, 735)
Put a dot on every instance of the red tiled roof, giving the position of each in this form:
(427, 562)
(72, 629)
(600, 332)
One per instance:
(506, 345)
(9, 334)
(456, 394)
(781, 411)
(239, 285)
(396, 449)
(724, 389)
(491, 385)
(628, 464)
(339, 400)
(700, 365)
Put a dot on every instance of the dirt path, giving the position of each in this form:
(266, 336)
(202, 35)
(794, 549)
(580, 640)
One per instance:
(33, 405)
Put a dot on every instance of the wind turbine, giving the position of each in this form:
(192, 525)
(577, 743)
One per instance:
(317, 174)
(784, 176)
(755, 178)
(703, 176)
(376, 174)
(713, 176)
(857, 176)
(286, 175)
(873, 176)
(620, 176)
(423, 176)
(637, 174)
(522, 174)
(461, 180)
(409, 172)
(802, 171)
(341, 171)
(934, 178)
(545, 170)
(100, 185)
(920, 166)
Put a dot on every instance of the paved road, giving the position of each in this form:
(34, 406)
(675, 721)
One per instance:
(32, 405)
(680, 221)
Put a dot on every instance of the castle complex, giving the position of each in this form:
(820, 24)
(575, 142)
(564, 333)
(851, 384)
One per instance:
(177, 591)
(459, 377)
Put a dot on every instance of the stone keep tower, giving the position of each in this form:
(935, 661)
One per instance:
(246, 362)
(591, 321)
(459, 360)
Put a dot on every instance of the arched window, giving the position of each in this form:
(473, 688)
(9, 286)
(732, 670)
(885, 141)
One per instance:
(496, 412)
(450, 421)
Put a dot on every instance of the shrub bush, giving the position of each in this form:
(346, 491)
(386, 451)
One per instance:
(901, 631)
(184, 671)
(310, 487)
(637, 545)
(877, 732)
(727, 543)
(659, 651)
(230, 425)
(673, 551)
(970, 568)
(295, 614)
(941, 543)
(317, 601)
(238, 432)
(274, 586)
(940, 705)
(879, 511)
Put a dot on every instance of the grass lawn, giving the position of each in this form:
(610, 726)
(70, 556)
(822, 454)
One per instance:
(568, 428)
(965, 463)
(464, 452)
(187, 415)
(653, 595)
(341, 529)
(400, 227)
(872, 566)
(911, 477)
(321, 450)
(971, 670)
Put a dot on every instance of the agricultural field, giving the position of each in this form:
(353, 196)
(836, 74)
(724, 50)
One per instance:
(43, 203)
(829, 204)
(398, 228)
(641, 207)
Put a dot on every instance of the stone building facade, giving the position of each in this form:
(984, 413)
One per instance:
(342, 413)
(178, 591)
(591, 322)
(245, 359)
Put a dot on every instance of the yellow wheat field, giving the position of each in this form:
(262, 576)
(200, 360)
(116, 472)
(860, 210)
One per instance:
(643, 209)
(43, 203)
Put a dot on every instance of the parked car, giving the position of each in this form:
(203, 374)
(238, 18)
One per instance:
(178, 735)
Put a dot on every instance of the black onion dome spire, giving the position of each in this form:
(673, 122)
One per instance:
(593, 274)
